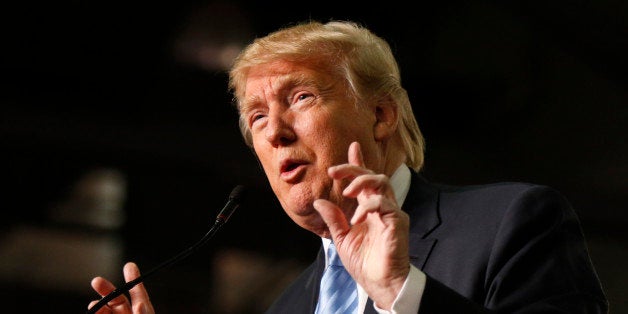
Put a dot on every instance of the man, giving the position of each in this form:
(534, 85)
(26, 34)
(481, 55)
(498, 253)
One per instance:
(323, 108)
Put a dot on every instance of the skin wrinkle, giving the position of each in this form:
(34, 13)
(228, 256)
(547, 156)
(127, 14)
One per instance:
(269, 84)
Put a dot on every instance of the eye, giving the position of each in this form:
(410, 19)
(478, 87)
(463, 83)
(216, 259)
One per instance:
(256, 117)
(303, 96)
(302, 99)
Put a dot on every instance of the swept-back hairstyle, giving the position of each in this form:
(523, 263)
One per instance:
(345, 49)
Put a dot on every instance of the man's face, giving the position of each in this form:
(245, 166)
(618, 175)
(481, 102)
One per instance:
(302, 122)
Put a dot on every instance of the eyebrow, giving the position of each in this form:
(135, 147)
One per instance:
(292, 80)
(287, 81)
(247, 104)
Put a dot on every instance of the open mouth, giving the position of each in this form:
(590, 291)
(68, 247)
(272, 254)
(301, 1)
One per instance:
(289, 167)
(292, 170)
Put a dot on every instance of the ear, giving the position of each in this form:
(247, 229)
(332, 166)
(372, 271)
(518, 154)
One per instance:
(387, 118)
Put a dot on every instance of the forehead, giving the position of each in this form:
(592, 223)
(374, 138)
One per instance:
(274, 67)
(279, 75)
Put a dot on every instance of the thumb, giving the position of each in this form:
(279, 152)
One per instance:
(334, 218)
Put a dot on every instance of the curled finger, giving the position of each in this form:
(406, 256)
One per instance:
(374, 204)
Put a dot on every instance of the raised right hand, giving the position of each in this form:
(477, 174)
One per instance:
(139, 303)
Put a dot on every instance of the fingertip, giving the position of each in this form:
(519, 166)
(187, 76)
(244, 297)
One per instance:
(322, 205)
(130, 265)
(91, 304)
(355, 154)
(131, 271)
(97, 282)
(317, 204)
(332, 170)
(132, 268)
(354, 220)
(357, 218)
(325, 209)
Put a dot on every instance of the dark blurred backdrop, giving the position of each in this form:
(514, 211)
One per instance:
(120, 143)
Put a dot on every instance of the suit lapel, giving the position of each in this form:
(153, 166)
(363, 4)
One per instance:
(312, 285)
(421, 204)
(420, 250)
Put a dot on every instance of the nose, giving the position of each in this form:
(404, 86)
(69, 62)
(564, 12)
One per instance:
(279, 131)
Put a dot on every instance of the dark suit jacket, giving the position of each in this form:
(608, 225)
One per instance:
(506, 247)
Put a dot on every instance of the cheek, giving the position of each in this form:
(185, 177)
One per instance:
(264, 155)
(322, 128)
(332, 132)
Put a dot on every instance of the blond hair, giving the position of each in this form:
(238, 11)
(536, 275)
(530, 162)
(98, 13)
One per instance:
(346, 49)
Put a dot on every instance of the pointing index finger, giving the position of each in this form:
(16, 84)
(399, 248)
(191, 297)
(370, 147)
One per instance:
(355, 155)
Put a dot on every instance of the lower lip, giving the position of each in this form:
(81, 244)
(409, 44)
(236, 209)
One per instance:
(293, 175)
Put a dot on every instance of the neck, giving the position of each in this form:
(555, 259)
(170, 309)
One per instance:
(393, 155)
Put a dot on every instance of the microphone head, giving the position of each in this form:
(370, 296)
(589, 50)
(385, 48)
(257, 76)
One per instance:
(237, 193)
(234, 202)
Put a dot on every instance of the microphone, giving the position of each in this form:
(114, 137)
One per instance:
(223, 216)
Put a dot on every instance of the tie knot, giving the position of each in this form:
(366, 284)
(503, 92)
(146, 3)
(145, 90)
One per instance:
(332, 254)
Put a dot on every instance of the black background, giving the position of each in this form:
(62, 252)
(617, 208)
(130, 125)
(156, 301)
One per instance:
(519, 91)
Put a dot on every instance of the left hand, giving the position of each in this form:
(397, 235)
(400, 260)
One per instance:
(139, 303)
(374, 246)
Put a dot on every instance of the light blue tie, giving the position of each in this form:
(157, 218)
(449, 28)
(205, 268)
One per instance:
(338, 293)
